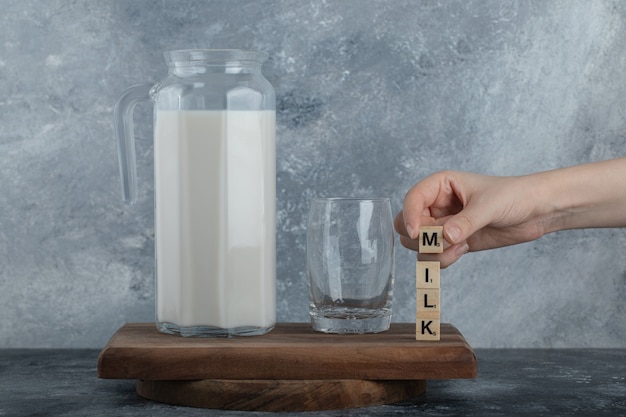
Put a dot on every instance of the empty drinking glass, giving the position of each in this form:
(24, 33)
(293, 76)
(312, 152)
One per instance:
(350, 264)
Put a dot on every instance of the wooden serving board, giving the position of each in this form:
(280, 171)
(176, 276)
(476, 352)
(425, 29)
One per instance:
(292, 368)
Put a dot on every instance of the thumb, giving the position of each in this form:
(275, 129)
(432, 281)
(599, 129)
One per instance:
(465, 223)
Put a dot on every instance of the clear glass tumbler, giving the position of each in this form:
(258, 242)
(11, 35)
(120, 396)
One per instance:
(350, 264)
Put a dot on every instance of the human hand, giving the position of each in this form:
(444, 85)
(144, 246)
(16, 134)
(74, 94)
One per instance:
(477, 212)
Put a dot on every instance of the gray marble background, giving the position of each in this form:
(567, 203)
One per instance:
(371, 97)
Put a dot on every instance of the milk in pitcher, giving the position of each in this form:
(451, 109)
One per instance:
(214, 220)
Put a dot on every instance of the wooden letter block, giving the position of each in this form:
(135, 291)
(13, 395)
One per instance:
(427, 283)
(428, 330)
(428, 303)
(430, 239)
(427, 274)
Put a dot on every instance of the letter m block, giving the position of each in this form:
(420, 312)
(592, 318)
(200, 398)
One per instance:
(430, 239)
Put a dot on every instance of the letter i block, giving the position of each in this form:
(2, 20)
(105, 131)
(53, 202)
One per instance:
(430, 239)
(427, 274)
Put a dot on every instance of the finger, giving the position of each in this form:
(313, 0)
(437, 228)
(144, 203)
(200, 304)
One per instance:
(426, 220)
(448, 256)
(409, 243)
(413, 244)
(468, 221)
(398, 224)
(421, 196)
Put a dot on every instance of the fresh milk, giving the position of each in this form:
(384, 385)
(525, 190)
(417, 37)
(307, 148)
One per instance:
(215, 218)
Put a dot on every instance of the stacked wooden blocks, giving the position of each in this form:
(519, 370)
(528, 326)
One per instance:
(428, 297)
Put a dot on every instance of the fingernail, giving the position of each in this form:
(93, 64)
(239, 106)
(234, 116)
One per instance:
(411, 231)
(462, 250)
(453, 233)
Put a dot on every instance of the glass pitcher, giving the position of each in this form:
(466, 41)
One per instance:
(215, 189)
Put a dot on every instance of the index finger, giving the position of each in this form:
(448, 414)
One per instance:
(417, 202)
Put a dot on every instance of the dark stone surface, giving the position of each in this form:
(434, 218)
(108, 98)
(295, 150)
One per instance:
(511, 382)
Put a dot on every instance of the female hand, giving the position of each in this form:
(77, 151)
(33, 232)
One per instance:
(477, 212)
(481, 212)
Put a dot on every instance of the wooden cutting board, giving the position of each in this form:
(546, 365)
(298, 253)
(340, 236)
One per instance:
(292, 368)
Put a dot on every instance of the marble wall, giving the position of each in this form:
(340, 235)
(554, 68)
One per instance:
(371, 96)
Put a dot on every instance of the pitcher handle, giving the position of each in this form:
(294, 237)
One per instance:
(125, 135)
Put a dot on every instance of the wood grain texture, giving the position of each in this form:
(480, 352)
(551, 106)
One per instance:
(281, 395)
(292, 351)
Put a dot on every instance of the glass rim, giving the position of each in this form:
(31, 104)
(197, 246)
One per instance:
(214, 56)
(350, 199)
